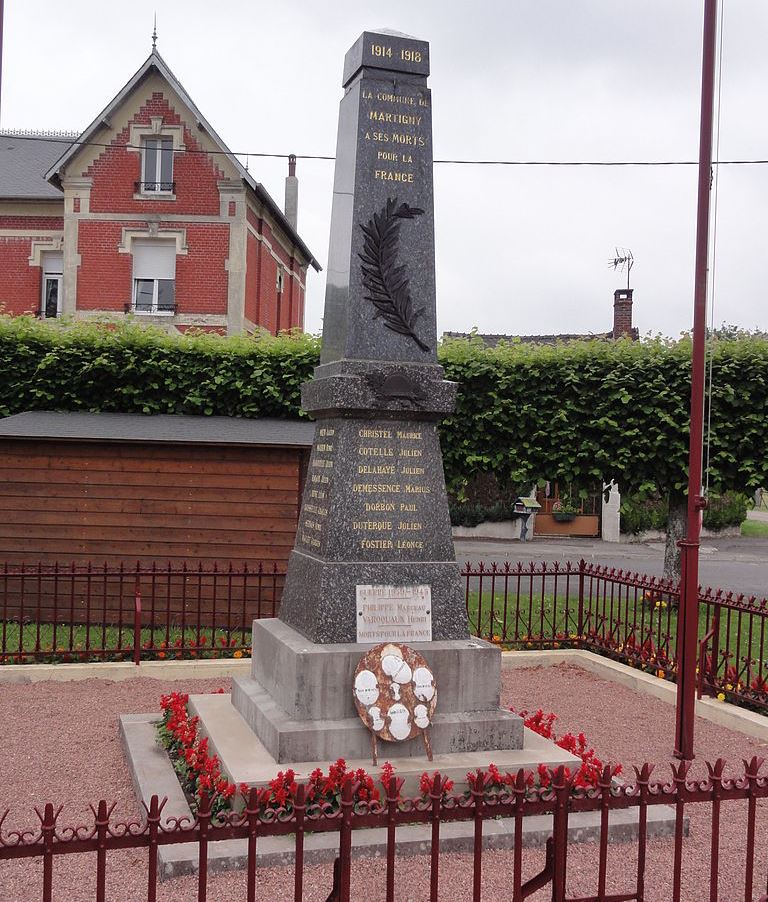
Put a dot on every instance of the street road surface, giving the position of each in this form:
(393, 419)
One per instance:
(738, 564)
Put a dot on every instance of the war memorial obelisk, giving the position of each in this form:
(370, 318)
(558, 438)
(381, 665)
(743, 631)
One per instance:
(374, 559)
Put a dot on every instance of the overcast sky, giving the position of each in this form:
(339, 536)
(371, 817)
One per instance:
(519, 249)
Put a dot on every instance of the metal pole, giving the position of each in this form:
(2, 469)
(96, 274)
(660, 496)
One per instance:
(688, 620)
(2, 16)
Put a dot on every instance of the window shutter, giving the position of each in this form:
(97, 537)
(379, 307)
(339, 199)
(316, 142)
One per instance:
(53, 262)
(154, 259)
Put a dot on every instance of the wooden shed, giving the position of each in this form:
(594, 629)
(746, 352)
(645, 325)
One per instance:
(112, 488)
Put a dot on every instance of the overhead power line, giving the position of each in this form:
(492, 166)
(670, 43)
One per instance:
(309, 156)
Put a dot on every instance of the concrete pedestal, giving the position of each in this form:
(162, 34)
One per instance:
(298, 700)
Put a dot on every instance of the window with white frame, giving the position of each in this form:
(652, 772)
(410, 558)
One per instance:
(279, 280)
(157, 166)
(154, 276)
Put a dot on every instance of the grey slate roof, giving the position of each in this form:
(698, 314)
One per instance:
(24, 161)
(491, 340)
(136, 427)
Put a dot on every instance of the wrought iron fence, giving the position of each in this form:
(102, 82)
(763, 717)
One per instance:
(73, 613)
(76, 613)
(628, 616)
(516, 799)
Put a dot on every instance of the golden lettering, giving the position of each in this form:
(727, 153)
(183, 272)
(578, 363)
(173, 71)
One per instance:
(417, 490)
(409, 140)
(394, 118)
(386, 176)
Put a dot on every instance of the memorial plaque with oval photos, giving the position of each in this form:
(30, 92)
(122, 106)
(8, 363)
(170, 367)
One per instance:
(395, 695)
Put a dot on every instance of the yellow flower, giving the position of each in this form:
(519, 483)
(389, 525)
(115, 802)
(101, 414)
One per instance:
(496, 637)
(660, 674)
(721, 696)
(237, 654)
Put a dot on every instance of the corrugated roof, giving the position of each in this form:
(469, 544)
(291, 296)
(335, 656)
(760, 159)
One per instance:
(25, 157)
(136, 427)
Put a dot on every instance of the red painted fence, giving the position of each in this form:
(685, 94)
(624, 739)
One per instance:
(97, 612)
(484, 801)
(627, 616)
(70, 613)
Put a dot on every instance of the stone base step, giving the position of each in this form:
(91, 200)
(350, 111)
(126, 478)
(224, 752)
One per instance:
(245, 759)
(303, 740)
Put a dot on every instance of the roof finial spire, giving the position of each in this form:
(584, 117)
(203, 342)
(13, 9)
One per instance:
(154, 35)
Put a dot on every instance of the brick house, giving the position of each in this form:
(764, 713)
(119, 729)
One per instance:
(147, 212)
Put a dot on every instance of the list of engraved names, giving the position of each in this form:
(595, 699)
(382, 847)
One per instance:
(388, 487)
(387, 484)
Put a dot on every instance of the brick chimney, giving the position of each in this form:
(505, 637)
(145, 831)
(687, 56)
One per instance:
(292, 193)
(622, 313)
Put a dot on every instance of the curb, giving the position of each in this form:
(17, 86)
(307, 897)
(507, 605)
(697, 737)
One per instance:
(125, 670)
(723, 714)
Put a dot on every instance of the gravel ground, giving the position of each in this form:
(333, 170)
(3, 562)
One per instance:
(60, 741)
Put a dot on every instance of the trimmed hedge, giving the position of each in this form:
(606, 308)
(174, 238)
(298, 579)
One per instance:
(134, 369)
(589, 411)
(580, 412)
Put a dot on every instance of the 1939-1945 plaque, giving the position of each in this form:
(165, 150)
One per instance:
(374, 511)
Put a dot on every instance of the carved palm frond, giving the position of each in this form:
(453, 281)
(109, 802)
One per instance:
(384, 280)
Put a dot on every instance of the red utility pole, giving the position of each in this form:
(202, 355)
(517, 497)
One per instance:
(2, 16)
(688, 619)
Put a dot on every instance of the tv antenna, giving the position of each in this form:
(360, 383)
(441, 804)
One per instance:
(623, 261)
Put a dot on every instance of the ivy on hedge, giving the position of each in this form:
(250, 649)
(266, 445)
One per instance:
(579, 412)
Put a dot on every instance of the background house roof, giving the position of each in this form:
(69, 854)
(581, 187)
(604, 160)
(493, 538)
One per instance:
(136, 427)
(155, 62)
(25, 157)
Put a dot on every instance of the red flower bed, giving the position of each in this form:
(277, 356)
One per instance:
(591, 768)
(200, 772)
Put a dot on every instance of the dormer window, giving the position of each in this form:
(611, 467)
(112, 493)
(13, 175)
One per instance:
(157, 166)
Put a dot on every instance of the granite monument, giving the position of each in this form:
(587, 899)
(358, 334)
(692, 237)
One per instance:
(374, 559)
(375, 511)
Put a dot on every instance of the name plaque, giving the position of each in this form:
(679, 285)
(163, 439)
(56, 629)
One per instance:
(394, 614)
